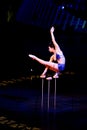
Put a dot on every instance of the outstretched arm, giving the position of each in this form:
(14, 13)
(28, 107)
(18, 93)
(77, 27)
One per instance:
(53, 39)
(45, 70)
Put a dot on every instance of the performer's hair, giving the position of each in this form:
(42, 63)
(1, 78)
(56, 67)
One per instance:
(51, 45)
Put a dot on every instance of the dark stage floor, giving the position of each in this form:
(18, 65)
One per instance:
(20, 105)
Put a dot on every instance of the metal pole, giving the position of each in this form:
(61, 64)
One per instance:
(42, 77)
(49, 78)
(55, 95)
(42, 93)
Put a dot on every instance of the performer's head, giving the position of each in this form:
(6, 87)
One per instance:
(51, 47)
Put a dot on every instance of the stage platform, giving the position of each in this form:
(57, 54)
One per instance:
(21, 108)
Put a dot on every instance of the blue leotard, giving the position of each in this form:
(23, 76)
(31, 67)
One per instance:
(61, 66)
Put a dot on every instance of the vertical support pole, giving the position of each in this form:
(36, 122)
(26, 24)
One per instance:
(49, 78)
(55, 78)
(42, 87)
(55, 95)
(42, 93)
(48, 93)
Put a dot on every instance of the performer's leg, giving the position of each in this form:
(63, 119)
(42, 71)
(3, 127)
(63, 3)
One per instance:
(50, 65)
(43, 62)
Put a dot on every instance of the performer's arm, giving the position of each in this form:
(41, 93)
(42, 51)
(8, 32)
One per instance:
(53, 39)
(45, 70)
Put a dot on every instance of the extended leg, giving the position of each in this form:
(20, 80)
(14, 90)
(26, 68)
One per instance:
(50, 65)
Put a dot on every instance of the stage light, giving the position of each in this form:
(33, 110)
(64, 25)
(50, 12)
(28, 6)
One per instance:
(62, 7)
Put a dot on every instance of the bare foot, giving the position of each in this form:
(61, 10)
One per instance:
(42, 76)
(56, 75)
(32, 56)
